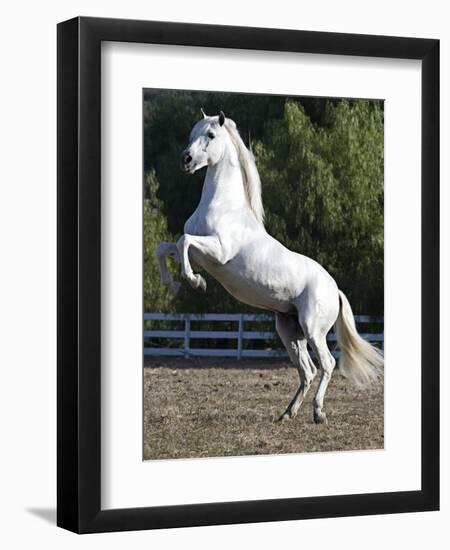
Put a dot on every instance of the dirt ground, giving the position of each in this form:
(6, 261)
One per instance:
(208, 407)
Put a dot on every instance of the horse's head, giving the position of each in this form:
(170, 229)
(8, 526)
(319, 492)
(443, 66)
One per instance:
(207, 143)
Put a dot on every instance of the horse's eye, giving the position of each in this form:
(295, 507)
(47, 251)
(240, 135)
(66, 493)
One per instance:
(211, 135)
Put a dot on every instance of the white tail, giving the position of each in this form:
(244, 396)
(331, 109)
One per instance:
(360, 362)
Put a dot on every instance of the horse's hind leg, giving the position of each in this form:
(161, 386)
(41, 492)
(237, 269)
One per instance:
(295, 342)
(327, 364)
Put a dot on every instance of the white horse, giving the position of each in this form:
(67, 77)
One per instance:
(226, 237)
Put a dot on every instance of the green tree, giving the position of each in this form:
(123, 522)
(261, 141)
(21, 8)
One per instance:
(156, 297)
(323, 191)
(321, 166)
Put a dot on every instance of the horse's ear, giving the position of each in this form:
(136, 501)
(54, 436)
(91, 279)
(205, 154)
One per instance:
(221, 118)
(203, 113)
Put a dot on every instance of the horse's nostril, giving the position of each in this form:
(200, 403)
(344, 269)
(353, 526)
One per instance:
(187, 158)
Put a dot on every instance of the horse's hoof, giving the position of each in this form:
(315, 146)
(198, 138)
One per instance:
(284, 417)
(320, 418)
(201, 283)
(198, 282)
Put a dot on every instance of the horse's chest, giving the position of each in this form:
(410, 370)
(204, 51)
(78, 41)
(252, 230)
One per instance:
(205, 223)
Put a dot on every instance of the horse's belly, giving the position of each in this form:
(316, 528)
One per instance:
(256, 298)
(256, 287)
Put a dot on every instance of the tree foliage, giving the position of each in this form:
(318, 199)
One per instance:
(156, 298)
(321, 166)
(324, 190)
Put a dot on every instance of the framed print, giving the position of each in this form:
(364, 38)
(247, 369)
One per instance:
(248, 253)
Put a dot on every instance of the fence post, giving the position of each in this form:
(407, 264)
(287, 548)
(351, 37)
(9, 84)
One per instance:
(240, 333)
(187, 333)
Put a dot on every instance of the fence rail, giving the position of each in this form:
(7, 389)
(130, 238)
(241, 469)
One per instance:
(183, 337)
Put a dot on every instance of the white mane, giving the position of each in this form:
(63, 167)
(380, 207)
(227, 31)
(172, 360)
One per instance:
(252, 182)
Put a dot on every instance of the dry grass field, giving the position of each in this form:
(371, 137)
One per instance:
(208, 407)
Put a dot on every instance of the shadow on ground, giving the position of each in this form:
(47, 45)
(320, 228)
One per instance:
(46, 514)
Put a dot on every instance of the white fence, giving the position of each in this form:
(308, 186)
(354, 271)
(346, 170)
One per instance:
(178, 342)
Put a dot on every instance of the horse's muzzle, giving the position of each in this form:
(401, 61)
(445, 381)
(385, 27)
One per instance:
(186, 159)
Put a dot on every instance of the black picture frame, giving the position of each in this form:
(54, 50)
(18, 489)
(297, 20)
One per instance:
(79, 280)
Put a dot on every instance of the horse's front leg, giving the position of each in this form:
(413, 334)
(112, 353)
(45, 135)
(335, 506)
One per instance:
(163, 250)
(209, 247)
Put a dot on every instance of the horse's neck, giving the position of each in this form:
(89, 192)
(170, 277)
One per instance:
(223, 186)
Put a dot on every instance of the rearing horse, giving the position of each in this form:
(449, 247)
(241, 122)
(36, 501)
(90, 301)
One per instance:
(226, 237)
